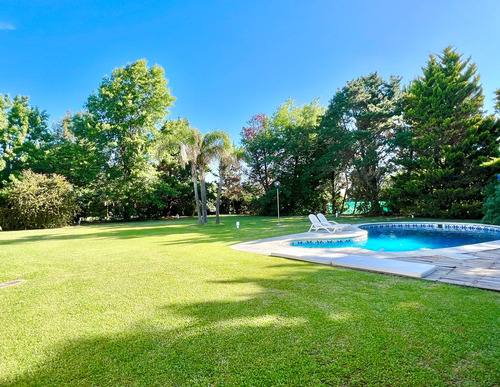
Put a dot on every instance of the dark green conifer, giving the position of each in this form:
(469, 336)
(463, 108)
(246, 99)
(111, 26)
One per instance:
(445, 142)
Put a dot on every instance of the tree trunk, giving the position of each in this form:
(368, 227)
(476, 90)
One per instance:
(343, 201)
(203, 198)
(334, 192)
(266, 172)
(345, 194)
(219, 192)
(197, 199)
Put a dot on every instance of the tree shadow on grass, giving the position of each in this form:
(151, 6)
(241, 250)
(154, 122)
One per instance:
(225, 232)
(119, 231)
(252, 228)
(310, 326)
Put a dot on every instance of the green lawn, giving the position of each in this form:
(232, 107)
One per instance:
(169, 303)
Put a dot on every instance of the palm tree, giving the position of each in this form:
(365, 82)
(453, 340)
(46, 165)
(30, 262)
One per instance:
(195, 149)
(200, 151)
(191, 149)
(228, 157)
(212, 145)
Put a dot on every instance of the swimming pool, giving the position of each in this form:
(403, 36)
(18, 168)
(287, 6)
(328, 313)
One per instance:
(395, 237)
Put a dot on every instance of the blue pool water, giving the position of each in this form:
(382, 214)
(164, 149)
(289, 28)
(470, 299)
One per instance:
(397, 239)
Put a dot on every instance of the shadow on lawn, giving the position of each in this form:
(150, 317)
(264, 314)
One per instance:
(309, 327)
(120, 231)
(252, 228)
(225, 232)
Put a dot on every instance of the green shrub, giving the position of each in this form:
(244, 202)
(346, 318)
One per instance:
(491, 206)
(37, 201)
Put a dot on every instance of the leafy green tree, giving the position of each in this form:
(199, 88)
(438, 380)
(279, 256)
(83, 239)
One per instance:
(37, 201)
(295, 129)
(447, 141)
(238, 195)
(258, 141)
(173, 175)
(169, 139)
(356, 131)
(24, 136)
(73, 154)
(281, 148)
(5, 137)
(334, 153)
(127, 110)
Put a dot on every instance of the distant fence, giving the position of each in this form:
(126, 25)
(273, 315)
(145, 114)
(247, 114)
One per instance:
(349, 207)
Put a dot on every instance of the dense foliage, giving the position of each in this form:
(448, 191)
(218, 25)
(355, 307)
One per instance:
(24, 137)
(121, 154)
(124, 113)
(357, 129)
(427, 149)
(281, 148)
(491, 207)
(37, 201)
(423, 150)
(445, 143)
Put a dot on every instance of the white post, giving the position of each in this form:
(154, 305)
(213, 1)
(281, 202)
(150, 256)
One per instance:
(278, 193)
(277, 185)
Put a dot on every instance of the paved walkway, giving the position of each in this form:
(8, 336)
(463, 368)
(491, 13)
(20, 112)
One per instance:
(475, 265)
(479, 270)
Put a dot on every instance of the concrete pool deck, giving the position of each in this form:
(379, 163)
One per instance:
(472, 265)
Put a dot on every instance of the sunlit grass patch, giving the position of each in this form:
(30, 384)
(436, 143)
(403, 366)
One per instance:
(169, 303)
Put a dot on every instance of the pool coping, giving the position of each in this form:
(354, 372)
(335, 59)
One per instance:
(476, 265)
(458, 252)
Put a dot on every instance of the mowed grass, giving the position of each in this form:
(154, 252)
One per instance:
(169, 303)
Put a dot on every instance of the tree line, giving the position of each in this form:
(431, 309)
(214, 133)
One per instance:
(424, 149)
(120, 157)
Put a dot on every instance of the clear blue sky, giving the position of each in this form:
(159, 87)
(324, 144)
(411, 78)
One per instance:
(229, 60)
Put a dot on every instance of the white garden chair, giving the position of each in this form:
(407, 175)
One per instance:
(331, 223)
(316, 225)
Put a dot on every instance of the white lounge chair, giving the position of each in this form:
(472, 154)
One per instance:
(316, 225)
(326, 222)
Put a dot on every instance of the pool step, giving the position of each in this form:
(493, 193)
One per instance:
(380, 265)
(384, 265)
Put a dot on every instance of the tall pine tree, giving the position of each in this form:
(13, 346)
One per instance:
(444, 142)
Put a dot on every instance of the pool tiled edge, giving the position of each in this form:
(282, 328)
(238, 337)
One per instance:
(473, 265)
